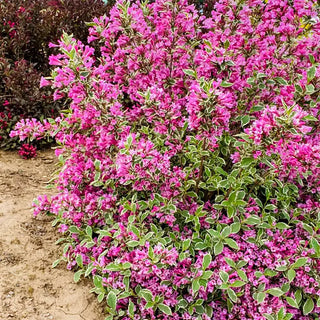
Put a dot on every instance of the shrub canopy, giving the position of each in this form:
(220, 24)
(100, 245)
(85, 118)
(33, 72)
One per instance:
(190, 177)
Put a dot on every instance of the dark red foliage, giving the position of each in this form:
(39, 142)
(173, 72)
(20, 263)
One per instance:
(26, 28)
(28, 151)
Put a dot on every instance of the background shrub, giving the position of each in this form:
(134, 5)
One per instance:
(26, 28)
(190, 178)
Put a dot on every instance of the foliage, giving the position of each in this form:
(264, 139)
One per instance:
(26, 28)
(190, 177)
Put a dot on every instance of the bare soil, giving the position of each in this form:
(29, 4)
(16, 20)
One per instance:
(29, 287)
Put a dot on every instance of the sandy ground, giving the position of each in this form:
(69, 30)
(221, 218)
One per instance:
(29, 287)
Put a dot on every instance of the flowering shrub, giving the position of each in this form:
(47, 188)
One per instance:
(26, 28)
(190, 177)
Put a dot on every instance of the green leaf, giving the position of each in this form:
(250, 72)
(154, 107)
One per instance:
(277, 292)
(112, 300)
(56, 263)
(310, 89)
(309, 117)
(307, 228)
(100, 297)
(298, 88)
(298, 295)
(232, 295)
(131, 308)
(195, 285)
(192, 194)
(237, 283)
(207, 275)
(242, 275)
(206, 261)
(225, 232)
(291, 274)
(230, 262)
(251, 80)
(79, 260)
(186, 244)
(308, 306)
(235, 227)
(270, 273)
(231, 243)
(132, 243)
(113, 267)
(245, 162)
(260, 297)
(292, 302)
(190, 73)
(218, 248)
(288, 316)
(77, 275)
(146, 295)
(311, 73)
(245, 120)
(89, 231)
(285, 287)
(241, 264)
(165, 309)
(282, 226)
(226, 84)
(253, 220)
(256, 108)
(299, 263)
(224, 276)
(281, 81)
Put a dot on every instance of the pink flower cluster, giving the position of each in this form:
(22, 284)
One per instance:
(190, 177)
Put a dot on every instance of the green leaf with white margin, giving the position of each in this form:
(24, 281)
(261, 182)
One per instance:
(230, 262)
(165, 309)
(146, 295)
(299, 263)
(309, 118)
(231, 243)
(112, 300)
(237, 284)
(316, 246)
(226, 84)
(190, 72)
(277, 292)
(224, 276)
(292, 302)
(311, 73)
(232, 295)
(218, 248)
(133, 243)
(308, 306)
(131, 308)
(56, 263)
(281, 81)
(206, 261)
(242, 275)
(260, 297)
(77, 275)
(100, 297)
(195, 285)
(291, 274)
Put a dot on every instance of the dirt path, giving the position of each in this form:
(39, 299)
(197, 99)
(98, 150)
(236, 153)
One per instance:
(29, 287)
